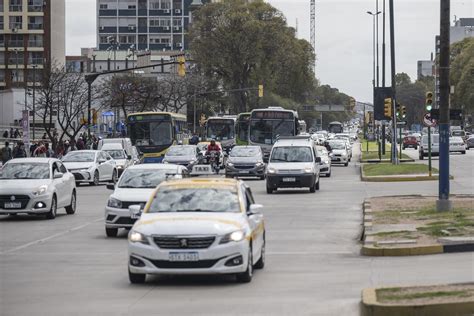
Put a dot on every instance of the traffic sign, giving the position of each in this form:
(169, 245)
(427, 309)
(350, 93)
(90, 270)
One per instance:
(430, 122)
(401, 123)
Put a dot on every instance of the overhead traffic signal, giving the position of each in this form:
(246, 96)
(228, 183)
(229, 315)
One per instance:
(387, 108)
(429, 100)
(398, 110)
(181, 66)
(403, 111)
(260, 90)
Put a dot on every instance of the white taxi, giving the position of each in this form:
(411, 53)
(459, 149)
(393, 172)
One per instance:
(197, 226)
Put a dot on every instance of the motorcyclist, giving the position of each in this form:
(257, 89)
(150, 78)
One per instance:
(213, 147)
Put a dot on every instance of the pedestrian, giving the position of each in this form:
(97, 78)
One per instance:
(40, 150)
(80, 144)
(5, 134)
(19, 150)
(6, 153)
(17, 133)
(194, 140)
(33, 147)
(45, 136)
(49, 151)
(11, 132)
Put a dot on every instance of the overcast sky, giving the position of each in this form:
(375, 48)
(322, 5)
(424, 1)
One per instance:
(343, 35)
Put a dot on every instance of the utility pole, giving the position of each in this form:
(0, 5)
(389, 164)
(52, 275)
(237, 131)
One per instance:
(383, 71)
(443, 203)
(394, 99)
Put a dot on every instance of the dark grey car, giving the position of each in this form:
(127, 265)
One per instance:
(245, 161)
(184, 155)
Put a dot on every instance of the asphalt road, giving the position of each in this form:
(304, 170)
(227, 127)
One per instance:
(68, 267)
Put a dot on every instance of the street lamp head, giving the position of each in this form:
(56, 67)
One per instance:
(369, 12)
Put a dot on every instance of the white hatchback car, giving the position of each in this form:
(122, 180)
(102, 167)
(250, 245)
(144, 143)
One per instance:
(135, 187)
(91, 166)
(37, 186)
(198, 226)
(456, 144)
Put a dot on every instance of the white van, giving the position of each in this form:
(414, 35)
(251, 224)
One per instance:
(293, 163)
(126, 144)
(423, 149)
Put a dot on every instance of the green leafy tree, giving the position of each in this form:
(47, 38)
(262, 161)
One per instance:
(462, 75)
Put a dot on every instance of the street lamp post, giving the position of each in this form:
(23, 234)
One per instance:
(34, 100)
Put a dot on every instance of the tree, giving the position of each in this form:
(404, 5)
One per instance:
(462, 75)
(245, 44)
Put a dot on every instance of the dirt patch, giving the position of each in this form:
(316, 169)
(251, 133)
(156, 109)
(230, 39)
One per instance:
(423, 295)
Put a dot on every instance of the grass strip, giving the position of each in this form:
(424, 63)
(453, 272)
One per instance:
(385, 295)
(390, 170)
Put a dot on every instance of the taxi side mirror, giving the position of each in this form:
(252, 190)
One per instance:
(255, 209)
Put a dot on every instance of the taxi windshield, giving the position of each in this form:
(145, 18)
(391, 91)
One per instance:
(195, 200)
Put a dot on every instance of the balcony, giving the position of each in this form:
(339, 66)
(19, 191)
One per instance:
(107, 29)
(35, 8)
(142, 12)
(16, 8)
(128, 29)
(35, 26)
(128, 12)
(107, 12)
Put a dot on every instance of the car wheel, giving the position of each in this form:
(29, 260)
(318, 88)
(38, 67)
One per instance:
(312, 188)
(463, 152)
(261, 262)
(246, 277)
(269, 189)
(114, 177)
(346, 164)
(111, 232)
(54, 208)
(71, 208)
(77, 183)
(95, 180)
(136, 278)
(329, 174)
(317, 184)
(262, 177)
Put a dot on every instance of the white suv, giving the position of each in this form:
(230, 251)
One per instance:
(293, 163)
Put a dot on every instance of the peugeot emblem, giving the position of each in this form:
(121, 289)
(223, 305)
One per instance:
(184, 243)
(12, 198)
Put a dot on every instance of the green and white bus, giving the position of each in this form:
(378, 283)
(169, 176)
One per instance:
(242, 129)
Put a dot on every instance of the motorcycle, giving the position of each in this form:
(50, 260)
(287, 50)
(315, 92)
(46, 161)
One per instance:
(212, 158)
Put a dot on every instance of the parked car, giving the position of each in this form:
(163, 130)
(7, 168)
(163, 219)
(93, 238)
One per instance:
(340, 155)
(245, 161)
(91, 166)
(410, 142)
(184, 155)
(325, 168)
(423, 149)
(199, 226)
(135, 186)
(293, 163)
(122, 159)
(37, 186)
(456, 144)
(470, 142)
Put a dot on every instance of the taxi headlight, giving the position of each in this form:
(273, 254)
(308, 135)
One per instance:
(135, 236)
(41, 190)
(114, 203)
(236, 236)
(308, 170)
(271, 170)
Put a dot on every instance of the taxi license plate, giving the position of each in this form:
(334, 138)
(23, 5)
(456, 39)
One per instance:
(289, 179)
(184, 256)
(12, 205)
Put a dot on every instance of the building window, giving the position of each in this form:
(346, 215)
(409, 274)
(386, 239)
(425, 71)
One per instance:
(16, 22)
(103, 40)
(16, 58)
(16, 40)
(1, 6)
(165, 4)
(2, 40)
(17, 75)
(35, 23)
(2, 75)
(160, 39)
(35, 40)
(35, 58)
(16, 5)
(2, 58)
(154, 4)
(1, 22)
(132, 7)
(35, 5)
(177, 22)
(127, 39)
(103, 6)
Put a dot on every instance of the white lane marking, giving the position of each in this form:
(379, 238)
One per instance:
(307, 253)
(42, 240)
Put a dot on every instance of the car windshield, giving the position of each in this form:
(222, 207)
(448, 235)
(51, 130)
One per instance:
(25, 171)
(291, 154)
(195, 200)
(78, 156)
(116, 153)
(245, 152)
(143, 178)
(181, 151)
(337, 145)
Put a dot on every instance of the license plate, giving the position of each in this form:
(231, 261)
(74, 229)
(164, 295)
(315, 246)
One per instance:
(12, 205)
(289, 179)
(184, 256)
(244, 171)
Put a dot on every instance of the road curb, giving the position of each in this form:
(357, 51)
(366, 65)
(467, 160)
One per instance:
(371, 307)
(406, 178)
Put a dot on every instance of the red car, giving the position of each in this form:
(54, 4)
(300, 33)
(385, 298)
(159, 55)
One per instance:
(410, 141)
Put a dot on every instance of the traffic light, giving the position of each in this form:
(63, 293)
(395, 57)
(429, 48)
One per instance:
(260, 90)
(181, 66)
(398, 110)
(387, 108)
(403, 110)
(429, 100)
(94, 116)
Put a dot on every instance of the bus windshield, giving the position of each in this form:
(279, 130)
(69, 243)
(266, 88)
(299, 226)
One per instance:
(266, 131)
(221, 129)
(156, 133)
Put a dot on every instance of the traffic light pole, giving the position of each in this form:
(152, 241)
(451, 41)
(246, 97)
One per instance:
(394, 100)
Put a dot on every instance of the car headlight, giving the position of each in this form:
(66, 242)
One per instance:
(114, 203)
(135, 236)
(120, 167)
(259, 164)
(271, 170)
(344, 155)
(326, 162)
(308, 170)
(236, 236)
(230, 164)
(41, 190)
(165, 161)
(192, 161)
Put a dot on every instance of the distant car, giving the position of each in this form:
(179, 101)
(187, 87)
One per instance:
(245, 161)
(91, 166)
(184, 155)
(325, 168)
(470, 142)
(37, 186)
(456, 144)
(410, 142)
(122, 159)
(423, 149)
(134, 188)
(340, 155)
(199, 226)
